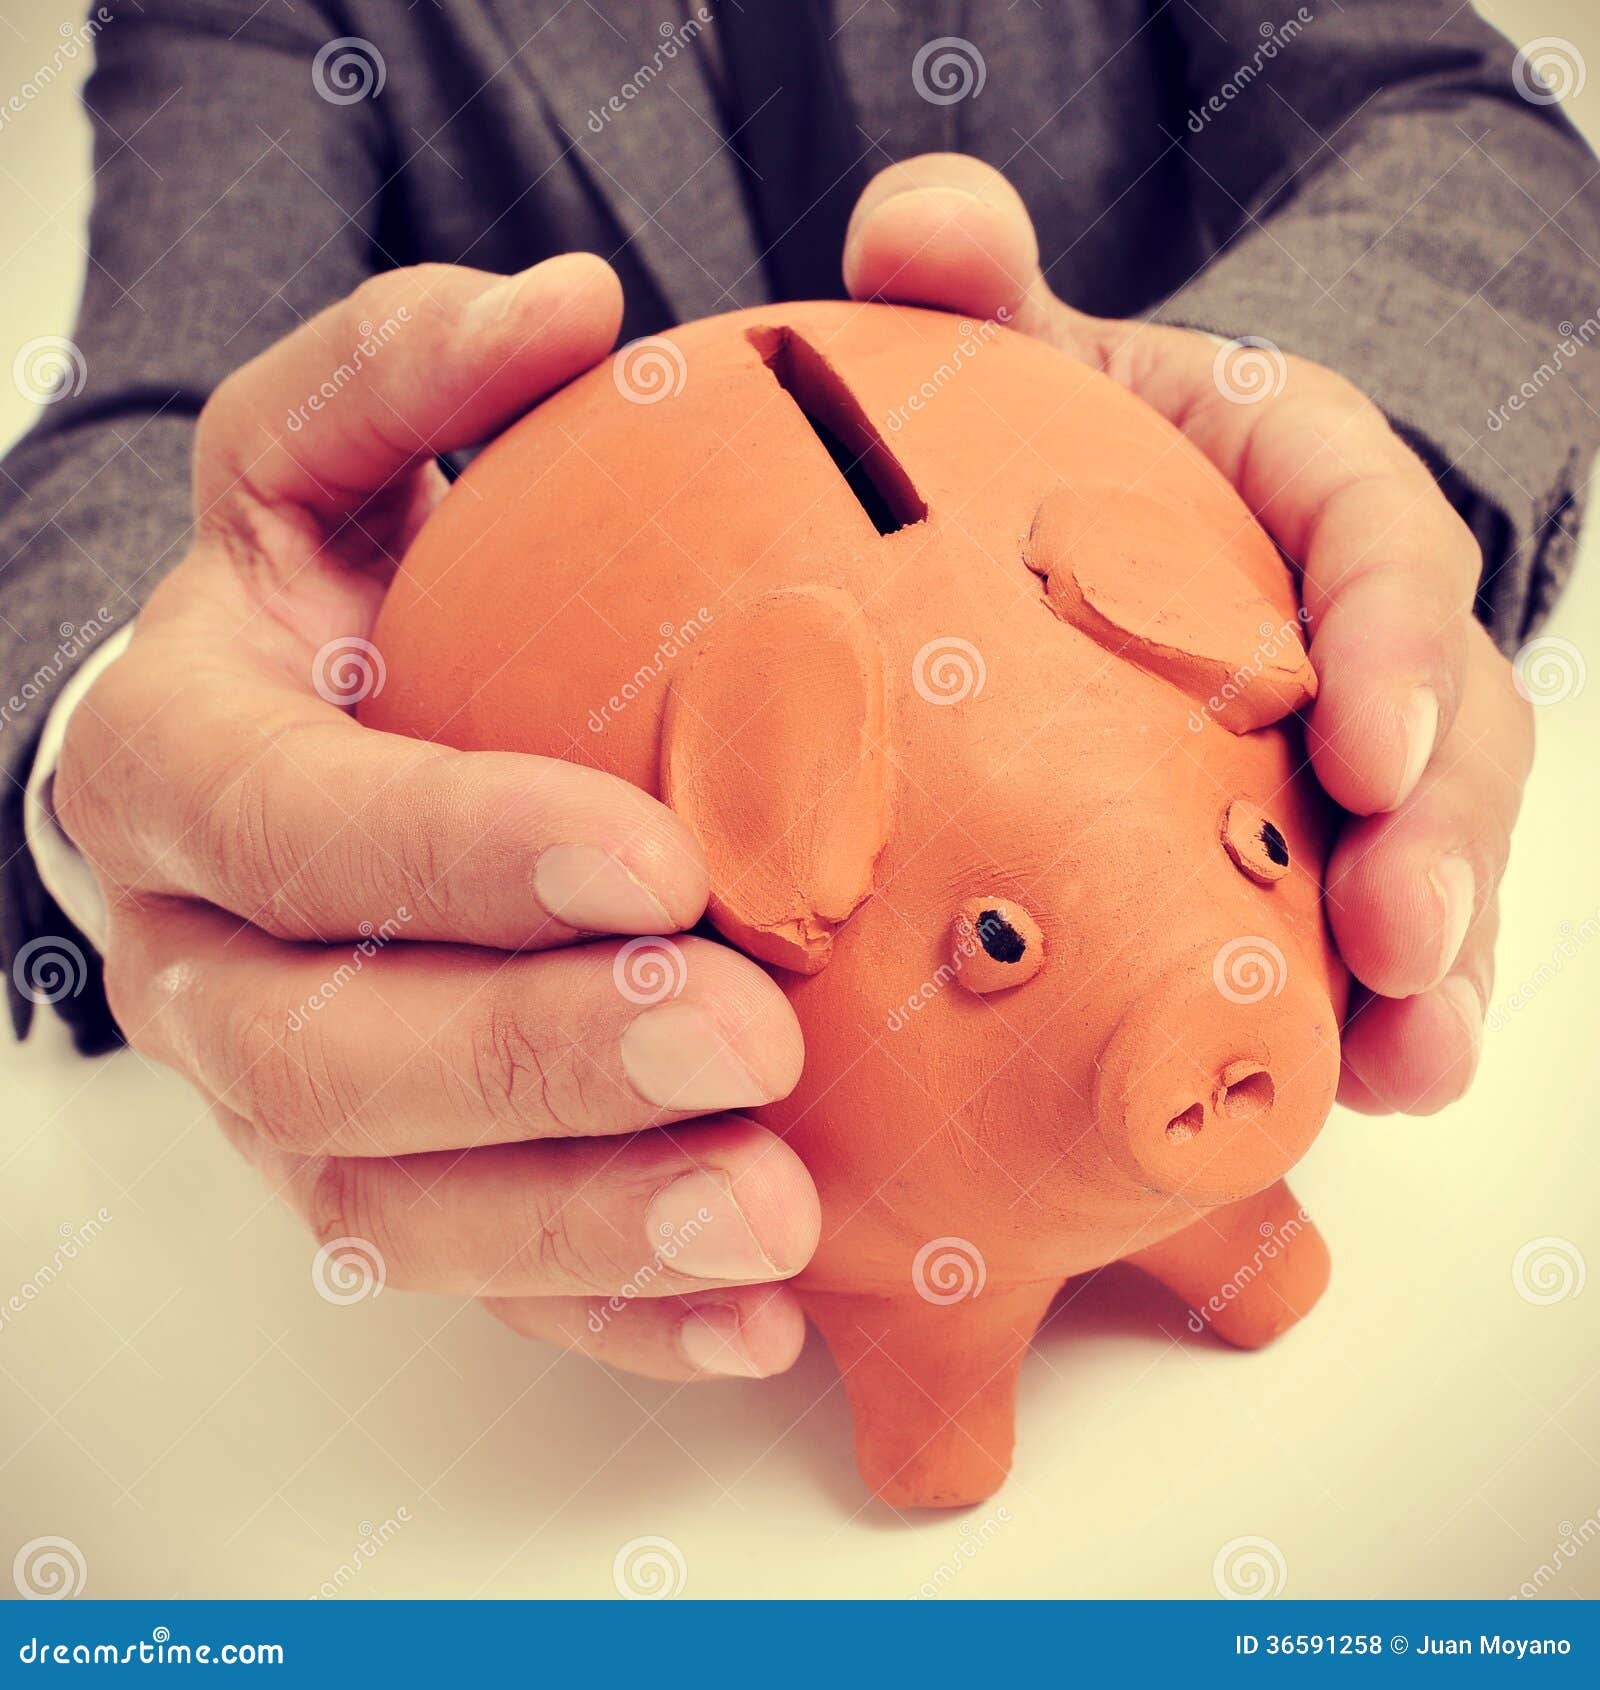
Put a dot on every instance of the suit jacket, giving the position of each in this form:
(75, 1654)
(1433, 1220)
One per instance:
(1379, 186)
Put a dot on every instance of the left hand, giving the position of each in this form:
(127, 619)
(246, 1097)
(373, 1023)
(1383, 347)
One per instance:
(1417, 729)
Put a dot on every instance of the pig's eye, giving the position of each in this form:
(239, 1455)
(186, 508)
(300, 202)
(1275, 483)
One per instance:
(1255, 842)
(997, 944)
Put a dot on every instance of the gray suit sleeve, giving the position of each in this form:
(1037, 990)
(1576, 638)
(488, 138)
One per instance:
(1405, 203)
(231, 201)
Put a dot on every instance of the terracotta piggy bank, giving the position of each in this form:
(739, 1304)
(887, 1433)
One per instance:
(977, 683)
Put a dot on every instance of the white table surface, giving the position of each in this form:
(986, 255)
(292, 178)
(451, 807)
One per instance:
(182, 1406)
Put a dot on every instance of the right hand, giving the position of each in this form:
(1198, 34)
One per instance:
(357, 945)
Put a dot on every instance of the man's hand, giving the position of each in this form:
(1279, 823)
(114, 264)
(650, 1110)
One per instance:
(1417, 728)
(352, 942)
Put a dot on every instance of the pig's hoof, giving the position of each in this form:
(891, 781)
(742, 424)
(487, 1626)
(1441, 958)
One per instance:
(1266, 1305)
(951, 1472)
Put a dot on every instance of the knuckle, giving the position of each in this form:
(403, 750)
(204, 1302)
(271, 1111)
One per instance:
(434, 867)
(349, 1197)
(385, 296)
(560, 1254)
(90, 771)
(556, 1254)
(74, 796)
(1343, 396)
(237, 823)
(389, 287)
(515, 1077)
(235, 814)
(284, 1083)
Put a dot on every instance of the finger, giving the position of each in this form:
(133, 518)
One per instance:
(741, 1333)
(1416, 1055)
(1404, 888)
(723, 1202)
(386, 1050)
(415, 362)
(1388, 569)
(278, 807)
(942, 230)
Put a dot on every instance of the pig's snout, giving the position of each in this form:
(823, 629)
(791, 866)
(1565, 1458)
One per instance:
(1216, 1080)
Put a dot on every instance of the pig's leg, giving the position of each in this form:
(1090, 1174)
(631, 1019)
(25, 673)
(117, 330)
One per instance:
(1248, 1270)
(932, 1386)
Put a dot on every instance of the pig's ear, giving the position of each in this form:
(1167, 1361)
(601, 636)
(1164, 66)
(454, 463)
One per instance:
(773, 752)
(1166, 591)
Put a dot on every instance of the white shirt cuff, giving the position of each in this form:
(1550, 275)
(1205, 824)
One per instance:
(66, 875)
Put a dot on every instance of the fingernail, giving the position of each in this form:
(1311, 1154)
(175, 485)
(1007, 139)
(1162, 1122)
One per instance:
(1462, 996)
(1455, 886)
(710, 1341)
(1421, 729)
(855, 233)
(587, 887)
(675, 1055)
(494, 305)
(695, 1225)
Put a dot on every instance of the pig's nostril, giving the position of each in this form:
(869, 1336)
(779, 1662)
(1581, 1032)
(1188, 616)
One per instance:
(1251, 1095)
(1245, 1092)
(1182, 1128)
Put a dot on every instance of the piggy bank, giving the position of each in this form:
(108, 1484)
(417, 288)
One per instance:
(977, 682)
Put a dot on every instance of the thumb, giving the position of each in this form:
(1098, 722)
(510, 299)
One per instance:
(949, 231)
(415, 362)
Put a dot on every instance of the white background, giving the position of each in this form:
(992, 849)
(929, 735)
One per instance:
(183, 1406)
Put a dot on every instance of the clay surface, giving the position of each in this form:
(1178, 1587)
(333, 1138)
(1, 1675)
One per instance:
(976, 682)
